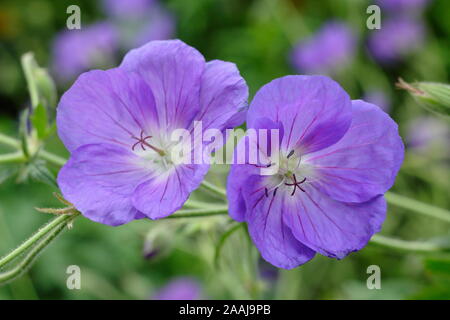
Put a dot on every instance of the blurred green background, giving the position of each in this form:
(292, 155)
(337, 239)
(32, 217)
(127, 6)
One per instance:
(259, 36)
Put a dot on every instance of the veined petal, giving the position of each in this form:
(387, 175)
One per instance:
(365, 162)
(330, 227)
(223, 96)
(173, 70)
(165, 194)
(314, 110)
(267, 228)
(105, 107)
(99, 180)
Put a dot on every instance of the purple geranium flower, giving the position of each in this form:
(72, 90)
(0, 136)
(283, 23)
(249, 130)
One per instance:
(76, 51)
(337, 158)
(140, 21)
(128, 8)
(117, 124)
(180, 289)
(425, 132)
(397, 37)
(331, 47)
(160, 25)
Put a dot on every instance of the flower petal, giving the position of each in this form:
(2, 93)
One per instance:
(364, 163)
(267, 229)
(223, 95)
(99, 180)
(314, 110)
(105, 107)
(330, 227)
(165, 194)
(173, 70)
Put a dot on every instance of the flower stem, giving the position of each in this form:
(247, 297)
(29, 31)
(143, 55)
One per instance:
(6, 140)
(52, 158)
(196, 213)
(418, 206)
(26, 262)
(197, 204)
(416, 246)
(214, 189)
(60, 220)
(12, 157)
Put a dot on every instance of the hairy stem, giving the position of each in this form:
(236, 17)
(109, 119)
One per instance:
(27, 261)
(60, 220)
(418, 206)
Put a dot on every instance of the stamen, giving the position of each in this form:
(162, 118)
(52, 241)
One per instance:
(266, 192)
(290, 154)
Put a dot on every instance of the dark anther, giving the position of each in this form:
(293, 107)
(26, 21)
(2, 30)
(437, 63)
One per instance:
(275, 192)
(266, 192)
(290, 154)
(296, 184)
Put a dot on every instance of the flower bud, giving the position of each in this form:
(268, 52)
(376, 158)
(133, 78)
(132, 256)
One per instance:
(433, 96)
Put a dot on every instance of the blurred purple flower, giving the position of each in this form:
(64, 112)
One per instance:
(141, 21)
(127, 8)
(397, 37)
(160, 26)
(117, 124)
(402, 5)
(336, 159)
(378, 98)
(327, 50)
(180, 289)
(75, 51)
(425, 131)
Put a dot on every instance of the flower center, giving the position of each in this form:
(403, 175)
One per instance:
(155, 157)
(292, 174)
(143, 142)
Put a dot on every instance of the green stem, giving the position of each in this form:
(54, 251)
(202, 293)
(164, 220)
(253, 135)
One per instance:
(403, 245)
(12, 157)
(26, 262)
(222, 240)
(196, 204)
(417, 206)
(60, 220)
(6, 140)
(196, 213)
(214, 189)
(52, 158)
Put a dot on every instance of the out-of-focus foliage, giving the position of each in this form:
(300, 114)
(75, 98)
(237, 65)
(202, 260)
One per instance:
(135, 260)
